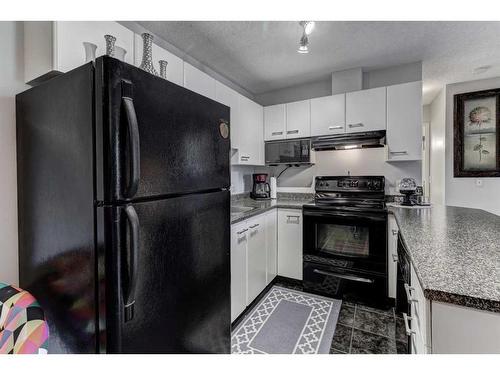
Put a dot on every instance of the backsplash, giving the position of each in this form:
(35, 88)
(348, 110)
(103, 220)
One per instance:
(341, 163)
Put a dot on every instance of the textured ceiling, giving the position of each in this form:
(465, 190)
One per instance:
(261, 56)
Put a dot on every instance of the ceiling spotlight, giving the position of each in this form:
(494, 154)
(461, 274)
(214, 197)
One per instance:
(304, 42)
(308, 26)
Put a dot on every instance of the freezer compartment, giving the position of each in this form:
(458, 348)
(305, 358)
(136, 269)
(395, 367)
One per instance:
(176, 299)
(369, 289)
(154, 138)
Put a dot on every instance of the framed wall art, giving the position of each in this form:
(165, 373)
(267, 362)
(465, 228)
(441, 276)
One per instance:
(476, 140)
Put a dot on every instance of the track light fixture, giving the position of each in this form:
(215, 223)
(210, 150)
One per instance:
(307, 28)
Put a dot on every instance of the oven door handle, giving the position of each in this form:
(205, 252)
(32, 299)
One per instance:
(344, 214)
(342, 276)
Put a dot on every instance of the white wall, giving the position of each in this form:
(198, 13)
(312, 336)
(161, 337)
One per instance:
(437, 152)
(11, 82)
(241, 178)
(463, 191)
(356, 162)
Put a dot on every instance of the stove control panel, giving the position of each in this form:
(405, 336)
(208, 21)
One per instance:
(350, 183)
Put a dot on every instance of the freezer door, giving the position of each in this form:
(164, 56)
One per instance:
(154, 138)
(168, 276)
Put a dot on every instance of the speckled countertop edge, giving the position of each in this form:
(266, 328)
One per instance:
(285, 200)
(432, 294)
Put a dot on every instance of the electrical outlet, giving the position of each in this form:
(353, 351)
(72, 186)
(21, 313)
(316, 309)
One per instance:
(479, 182)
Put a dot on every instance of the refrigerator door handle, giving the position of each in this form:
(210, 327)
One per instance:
(134, 147)
(133, 257)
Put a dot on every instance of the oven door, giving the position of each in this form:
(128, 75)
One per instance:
(356, 240)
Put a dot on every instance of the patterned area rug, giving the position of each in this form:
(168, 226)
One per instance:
(287, 321)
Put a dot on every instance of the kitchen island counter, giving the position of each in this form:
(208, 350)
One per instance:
(455, 252)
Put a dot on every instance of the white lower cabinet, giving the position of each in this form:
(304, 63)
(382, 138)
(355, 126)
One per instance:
(253, 259)
(239, 241)
(392, 255)
(290, 243)
(256, 257)
(272, 245)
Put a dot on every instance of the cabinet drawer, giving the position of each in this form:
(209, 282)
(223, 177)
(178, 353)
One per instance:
(338, 283)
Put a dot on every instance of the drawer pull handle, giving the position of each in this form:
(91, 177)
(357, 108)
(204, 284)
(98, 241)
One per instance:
(276, 133)
(292, 132)
(244, 158)
(407, 319)
(242, 231)
(394, 232)
(254, 226)
(341, 276)
(394, 257)
(292, 219)
(358, 125)
(398, 152)
(335, 127)
(408, 290)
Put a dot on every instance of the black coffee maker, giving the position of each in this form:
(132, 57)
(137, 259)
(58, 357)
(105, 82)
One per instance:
(261, 189)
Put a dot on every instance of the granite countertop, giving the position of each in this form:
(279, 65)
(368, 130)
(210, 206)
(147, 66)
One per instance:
(455, 252)
(285, 200)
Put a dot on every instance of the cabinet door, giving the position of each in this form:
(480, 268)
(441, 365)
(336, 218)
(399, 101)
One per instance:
(392, 254)
(198, 81)
(239, 242)
(175, 68)
(251, 145)
(272, 245)
(328, 115)
(70, 35)
(298, 119)
(274, 122)
(231, 98)
(290, 243)
(365, 110)
(256, 257)
(404, 121)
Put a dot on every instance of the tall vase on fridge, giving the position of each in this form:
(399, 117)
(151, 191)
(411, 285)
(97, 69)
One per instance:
(147, 54)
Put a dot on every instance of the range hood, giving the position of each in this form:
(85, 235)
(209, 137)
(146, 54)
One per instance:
(349, 141)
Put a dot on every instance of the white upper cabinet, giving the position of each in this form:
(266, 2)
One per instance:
(175, 68)
(231, 98)
(328, 115)
(298, 119)
(274, 122)
(251, 133)
(366, 110)
(58, 46)
(404, 121)
(198, 81)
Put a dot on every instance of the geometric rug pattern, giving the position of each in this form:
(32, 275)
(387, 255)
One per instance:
(23, 329)
(317, 331)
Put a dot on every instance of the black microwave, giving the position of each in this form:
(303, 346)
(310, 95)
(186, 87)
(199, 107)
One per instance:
(290, 151)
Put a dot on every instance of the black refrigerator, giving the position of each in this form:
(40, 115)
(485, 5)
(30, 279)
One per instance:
(124, 212)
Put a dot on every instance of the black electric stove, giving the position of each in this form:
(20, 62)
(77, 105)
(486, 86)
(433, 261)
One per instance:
(345, 239)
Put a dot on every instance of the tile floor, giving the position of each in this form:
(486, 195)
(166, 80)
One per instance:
(365, 330)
